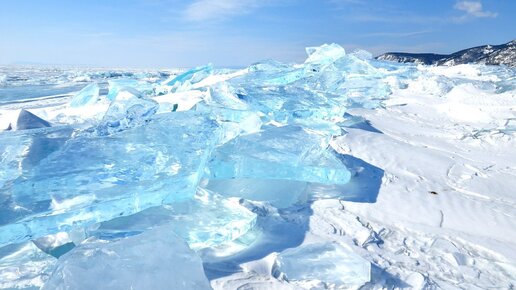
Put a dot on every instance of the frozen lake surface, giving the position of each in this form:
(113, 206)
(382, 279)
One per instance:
(340, 172)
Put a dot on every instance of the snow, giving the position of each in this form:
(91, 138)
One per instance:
(408, 170)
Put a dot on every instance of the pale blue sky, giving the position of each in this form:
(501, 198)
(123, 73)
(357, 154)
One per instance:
(177, 33)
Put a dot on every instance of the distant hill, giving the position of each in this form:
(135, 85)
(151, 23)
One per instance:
(485, 54)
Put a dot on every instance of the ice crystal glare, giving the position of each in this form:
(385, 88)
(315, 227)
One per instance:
(180, 153)
(325, 54)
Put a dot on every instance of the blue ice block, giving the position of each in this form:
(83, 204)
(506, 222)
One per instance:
(96, 178)
(88, 95)
(284, 153)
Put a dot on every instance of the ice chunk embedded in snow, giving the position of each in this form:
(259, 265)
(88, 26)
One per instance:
(329, 263)
(88, 95)
(156, 259)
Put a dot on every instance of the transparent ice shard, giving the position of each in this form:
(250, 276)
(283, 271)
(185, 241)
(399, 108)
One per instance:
(88, 95)
(97, 178)
(129, 109)
(270, 73)
(324, 54)
(315, 94)
(283, 153)
(293, 105)
(156, 259)
(184, 81)
(207, 220)
(20, 152)
(335, 266)
(234, 122)
(225, 96)
(362, 54)
(116, 85)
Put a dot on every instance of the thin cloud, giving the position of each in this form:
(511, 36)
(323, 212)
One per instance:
(398, 17)
(208, 10)
(396, 34)
(473, 9)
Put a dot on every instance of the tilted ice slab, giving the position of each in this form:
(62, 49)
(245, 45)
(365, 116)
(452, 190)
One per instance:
(88, 95)
(184, 81)
(156, 259)
(20, 152)
(314, 94)
(206, 220)
(96, 178)
(114, 86)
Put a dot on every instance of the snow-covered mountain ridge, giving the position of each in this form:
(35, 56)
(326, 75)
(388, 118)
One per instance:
(503, 54)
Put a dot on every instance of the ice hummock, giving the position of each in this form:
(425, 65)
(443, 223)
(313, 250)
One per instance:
(157, 259)
(174, 150)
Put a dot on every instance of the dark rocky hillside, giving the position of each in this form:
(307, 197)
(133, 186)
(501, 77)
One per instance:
(504, 54)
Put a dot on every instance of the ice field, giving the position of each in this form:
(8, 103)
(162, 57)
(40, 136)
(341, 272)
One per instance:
(342, 172)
